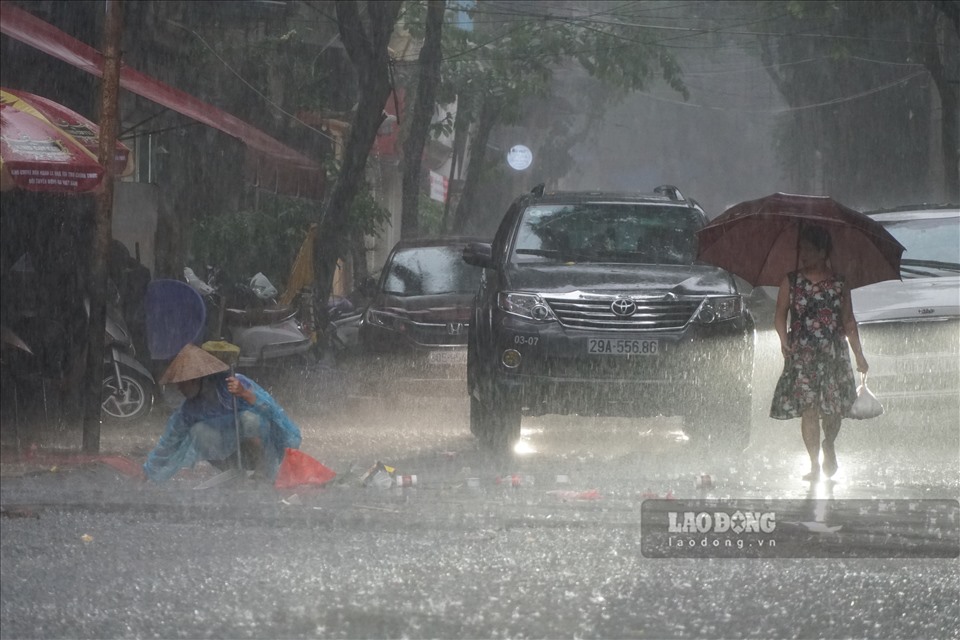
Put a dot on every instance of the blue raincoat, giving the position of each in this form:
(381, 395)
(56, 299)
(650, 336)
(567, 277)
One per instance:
(203, 428)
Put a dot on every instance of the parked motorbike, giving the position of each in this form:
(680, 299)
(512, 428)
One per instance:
(334, 336)
(265, 332)
(128, 387)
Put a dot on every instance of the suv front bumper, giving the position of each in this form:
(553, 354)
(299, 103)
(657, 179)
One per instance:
(557, 373)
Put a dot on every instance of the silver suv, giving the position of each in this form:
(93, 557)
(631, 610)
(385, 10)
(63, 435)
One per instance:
(910, 328)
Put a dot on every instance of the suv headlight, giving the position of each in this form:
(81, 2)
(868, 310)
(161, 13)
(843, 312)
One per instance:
(717, 309)
(526, 305)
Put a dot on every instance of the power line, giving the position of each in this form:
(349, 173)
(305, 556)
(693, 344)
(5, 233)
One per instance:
(698, 30)
(782, 110)
(695, 74)
(253, 88)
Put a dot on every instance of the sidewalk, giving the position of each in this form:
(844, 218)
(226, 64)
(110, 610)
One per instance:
(43, 445)
(47, 447)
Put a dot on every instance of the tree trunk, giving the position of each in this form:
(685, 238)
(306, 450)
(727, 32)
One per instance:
(950, 114)
(951, 139)
(461, 126)
(489, 114)
(358, 250)
(366, 44)
(423, 109)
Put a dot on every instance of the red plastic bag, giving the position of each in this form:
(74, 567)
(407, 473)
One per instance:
(298, 469)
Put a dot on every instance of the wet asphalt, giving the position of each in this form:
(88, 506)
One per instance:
(544, 542)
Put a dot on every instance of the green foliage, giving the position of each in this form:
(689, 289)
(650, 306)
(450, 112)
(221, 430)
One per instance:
(858, 78)
(513, 55)
(430, 216)
(367, 217)
(267, 239)
(241, 243)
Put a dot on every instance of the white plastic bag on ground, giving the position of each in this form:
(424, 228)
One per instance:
(866, 405)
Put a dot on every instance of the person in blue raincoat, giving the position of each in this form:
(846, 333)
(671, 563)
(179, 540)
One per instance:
(204, 426)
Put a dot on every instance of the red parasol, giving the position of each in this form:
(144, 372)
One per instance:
(46, 147)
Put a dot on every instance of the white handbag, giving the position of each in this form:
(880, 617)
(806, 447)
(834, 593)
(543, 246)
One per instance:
(866, 405)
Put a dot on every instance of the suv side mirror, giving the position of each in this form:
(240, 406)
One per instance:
(369, 286)
(479, 254)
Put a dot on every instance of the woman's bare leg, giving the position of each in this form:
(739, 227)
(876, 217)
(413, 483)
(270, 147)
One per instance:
(831, 428)
(810, 430)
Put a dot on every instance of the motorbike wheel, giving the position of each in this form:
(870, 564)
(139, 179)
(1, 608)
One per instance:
(134, 400)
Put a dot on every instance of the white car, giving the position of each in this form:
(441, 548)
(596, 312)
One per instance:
(910, 329)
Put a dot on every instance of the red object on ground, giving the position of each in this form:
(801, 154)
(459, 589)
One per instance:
(592, 494)
(126, 466)
(298, 468)
(65, 460)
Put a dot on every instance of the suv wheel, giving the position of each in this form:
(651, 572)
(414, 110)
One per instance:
(495, 417)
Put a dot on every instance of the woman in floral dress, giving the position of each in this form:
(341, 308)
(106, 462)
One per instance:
(817, 383)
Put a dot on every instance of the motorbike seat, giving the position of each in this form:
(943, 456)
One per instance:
(254, 317)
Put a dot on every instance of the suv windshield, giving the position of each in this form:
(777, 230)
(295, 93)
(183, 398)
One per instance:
(607, 232)
(932, 245)
(424, 271)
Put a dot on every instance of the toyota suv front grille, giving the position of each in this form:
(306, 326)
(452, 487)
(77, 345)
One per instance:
(597, 313)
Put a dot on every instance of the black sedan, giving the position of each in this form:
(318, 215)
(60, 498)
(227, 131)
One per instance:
(417, 323)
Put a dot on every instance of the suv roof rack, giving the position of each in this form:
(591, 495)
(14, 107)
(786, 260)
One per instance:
(664, 191)
(670, 191)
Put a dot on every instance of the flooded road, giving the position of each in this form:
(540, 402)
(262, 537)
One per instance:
(423, 428)
(545, 542)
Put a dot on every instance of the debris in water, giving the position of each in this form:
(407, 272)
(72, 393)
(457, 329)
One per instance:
(592, 494)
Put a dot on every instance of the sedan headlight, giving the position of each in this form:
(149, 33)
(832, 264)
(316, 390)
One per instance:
(384, 320)
(526, 305)
(717, 309)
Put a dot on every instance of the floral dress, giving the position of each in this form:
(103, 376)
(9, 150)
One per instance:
(817, 373)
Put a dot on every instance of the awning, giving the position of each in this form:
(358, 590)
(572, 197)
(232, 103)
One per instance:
(270, 164)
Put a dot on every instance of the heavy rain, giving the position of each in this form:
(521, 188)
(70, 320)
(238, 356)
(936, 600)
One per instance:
(479, 319)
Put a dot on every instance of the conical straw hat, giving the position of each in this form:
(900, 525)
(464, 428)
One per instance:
(191, 363)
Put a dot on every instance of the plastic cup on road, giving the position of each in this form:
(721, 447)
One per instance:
(406, 481)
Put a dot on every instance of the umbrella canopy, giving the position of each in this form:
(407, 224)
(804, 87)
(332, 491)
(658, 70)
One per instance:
(758, 240)
(46, 147)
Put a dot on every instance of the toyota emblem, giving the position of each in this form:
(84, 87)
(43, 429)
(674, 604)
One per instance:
(623, 307)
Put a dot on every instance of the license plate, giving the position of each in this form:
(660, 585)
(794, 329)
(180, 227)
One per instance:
(620, 347)
(448, 357)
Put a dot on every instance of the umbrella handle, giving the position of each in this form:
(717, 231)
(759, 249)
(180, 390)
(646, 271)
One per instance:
(796, 266)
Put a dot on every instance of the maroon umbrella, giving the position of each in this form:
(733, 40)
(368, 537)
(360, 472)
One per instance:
(758, 240)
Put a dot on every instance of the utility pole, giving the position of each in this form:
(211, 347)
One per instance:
(103, 222)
